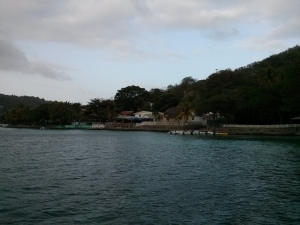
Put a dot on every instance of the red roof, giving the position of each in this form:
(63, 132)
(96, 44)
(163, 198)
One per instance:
(126, 112)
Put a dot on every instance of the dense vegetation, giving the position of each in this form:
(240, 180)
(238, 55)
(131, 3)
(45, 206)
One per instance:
(265, 92)
(8, 102)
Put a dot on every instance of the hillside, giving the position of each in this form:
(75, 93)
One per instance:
(8, 102)
(265, 92)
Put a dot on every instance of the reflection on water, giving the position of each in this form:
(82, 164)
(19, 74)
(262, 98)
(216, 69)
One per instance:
(105, 177)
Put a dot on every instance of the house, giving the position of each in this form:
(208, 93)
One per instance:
(126, 113)
(130, 118)
(124, 116)
(144, 114)
(147, 115)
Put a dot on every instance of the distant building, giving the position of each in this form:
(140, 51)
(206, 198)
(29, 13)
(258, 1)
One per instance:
(144, 114)
(97, 125)
(147, 115)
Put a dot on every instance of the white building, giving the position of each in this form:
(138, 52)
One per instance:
(146, 115)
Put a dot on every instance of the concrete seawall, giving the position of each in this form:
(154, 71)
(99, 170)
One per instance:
(158, 127)
(288, 131)
(271, 131)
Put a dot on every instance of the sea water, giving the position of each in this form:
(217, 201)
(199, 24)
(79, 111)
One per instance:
(114, 177)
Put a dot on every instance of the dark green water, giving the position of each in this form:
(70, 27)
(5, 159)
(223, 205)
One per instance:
(106, 177)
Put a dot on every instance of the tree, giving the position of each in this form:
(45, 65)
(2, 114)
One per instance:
(103, 109)
(171, 113)
(131, 98)
(40, 114)
(290, 92)
(186, 84)
(9, 117)
(18, 115)
(184, 89)
(154, 94)
(62, 112)
(185, 109)
(9, 102)
(165, 101)
(269, 76)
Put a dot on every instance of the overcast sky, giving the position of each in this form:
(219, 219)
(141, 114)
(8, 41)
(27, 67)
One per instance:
(75, 50)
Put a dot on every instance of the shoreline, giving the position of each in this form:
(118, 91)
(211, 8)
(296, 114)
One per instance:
(289, 131)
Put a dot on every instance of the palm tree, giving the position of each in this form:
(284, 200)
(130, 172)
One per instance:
(185, 109)
(269, 76)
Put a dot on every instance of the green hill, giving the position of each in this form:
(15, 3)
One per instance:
(264, 92)
(8, 102)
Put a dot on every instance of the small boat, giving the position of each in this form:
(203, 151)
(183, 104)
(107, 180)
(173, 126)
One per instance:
(172, 132)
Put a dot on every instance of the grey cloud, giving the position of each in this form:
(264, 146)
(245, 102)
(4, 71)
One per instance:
(97, 22)
(290, 30)
(91, 23)
(38, 67)
(100, 24)
(13, 59)
(221, 35)
(192, 14)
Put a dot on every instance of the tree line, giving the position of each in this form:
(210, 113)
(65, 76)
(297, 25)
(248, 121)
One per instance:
(265, 92)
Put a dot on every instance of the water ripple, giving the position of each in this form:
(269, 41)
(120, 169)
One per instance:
(102, 177)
